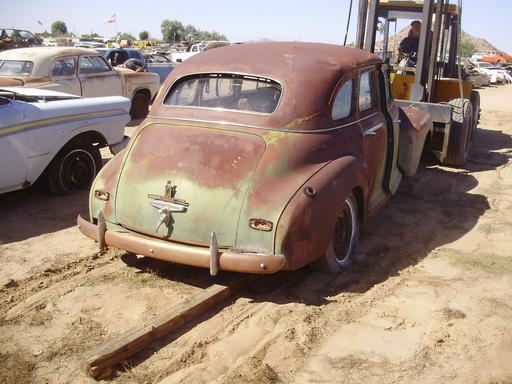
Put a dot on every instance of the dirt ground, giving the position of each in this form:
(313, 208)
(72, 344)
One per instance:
(427, 301)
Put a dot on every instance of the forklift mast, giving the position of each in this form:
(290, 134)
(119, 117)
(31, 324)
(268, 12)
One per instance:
(439, 32)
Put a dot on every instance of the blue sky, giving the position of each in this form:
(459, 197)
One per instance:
(283, 20)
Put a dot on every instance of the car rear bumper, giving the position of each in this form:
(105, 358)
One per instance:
(212, 258)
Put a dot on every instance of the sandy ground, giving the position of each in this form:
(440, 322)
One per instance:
(428, 300)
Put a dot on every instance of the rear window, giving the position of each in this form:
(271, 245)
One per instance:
(16, 68)
(225, 91)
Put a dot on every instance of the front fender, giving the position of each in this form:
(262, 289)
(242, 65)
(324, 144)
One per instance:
(306, 225)
(415, 126)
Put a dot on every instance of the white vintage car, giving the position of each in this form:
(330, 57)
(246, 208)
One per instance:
(493, 73)
(77, 71)
(57, 137)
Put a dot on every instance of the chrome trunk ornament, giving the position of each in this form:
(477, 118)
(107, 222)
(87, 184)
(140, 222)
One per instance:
(167, 204)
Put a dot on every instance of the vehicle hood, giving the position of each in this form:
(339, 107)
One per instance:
(218, 179)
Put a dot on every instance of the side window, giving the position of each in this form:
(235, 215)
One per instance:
(93, 64)
(367, 97)
(63, 67)
(342, 106)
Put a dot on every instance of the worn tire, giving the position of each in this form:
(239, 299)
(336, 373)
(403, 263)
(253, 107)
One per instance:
(460, 132)
(343, 246)
(475, 103)
(140, 106)
(74, 169)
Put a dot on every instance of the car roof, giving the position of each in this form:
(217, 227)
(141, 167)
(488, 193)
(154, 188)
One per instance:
(307, 72)
(282, 61)
(43, 56)
(43, 53)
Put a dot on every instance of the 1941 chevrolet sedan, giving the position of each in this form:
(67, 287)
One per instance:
(258, 158)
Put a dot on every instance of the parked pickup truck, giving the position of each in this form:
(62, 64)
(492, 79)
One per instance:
(77, 71)
(194, 49)
(118, 56)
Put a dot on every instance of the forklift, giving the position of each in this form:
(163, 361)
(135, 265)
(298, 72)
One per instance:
(437, 83)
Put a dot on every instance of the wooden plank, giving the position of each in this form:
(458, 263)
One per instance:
(98, 362)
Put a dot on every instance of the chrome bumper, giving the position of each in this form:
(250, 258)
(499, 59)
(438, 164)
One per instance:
(118, 147)
(211, 257)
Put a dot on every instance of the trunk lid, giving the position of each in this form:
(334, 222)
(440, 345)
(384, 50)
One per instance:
(188, 181)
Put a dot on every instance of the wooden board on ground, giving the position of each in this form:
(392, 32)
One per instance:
(98, 362)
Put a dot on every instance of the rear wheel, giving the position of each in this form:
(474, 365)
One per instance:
(74, 169)
(140, 106)
(460, 132)
(342, 249)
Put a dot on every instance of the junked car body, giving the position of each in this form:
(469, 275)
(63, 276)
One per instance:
(493, 73)
(15, 38)
(258, 158)
(78, 71)
(57, 136)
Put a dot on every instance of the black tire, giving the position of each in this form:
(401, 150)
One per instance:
(74, 169)
(343, 246)
(460, 132)
(140, 106)
(475, 103)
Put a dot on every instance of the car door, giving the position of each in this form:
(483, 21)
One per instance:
(374, 130)
(97, 78)
(13, 148)
(63, 73)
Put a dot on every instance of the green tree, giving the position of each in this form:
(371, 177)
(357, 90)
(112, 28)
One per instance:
(127, 36)
(467, 48)
(59, 28)
(144, 35)
(91, 36)
(191, 33)
(205, 36)
(172, 31)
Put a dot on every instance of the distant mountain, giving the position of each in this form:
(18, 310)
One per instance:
(481, 45)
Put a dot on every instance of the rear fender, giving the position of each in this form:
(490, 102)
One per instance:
(306, 225)
(415, 126)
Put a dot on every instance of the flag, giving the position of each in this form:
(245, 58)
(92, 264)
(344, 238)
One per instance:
(111, 19)
(38, 22)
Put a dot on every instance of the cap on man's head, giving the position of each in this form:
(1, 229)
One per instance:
(415, 22)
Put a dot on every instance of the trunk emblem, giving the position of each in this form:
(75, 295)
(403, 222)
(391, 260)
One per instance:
(167, 204)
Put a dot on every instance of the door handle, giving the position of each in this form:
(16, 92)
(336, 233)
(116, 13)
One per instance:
(371, 131)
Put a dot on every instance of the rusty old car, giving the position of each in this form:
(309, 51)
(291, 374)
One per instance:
(258, 158)
(78, 71)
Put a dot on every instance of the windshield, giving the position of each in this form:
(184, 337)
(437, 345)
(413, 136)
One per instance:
(226, 91)
(26, 34)
(16, 68)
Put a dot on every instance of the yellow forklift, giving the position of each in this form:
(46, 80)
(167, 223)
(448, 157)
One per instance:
(437, 82)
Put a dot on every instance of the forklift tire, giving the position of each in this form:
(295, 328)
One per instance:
(475, 103)
(460, 132)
